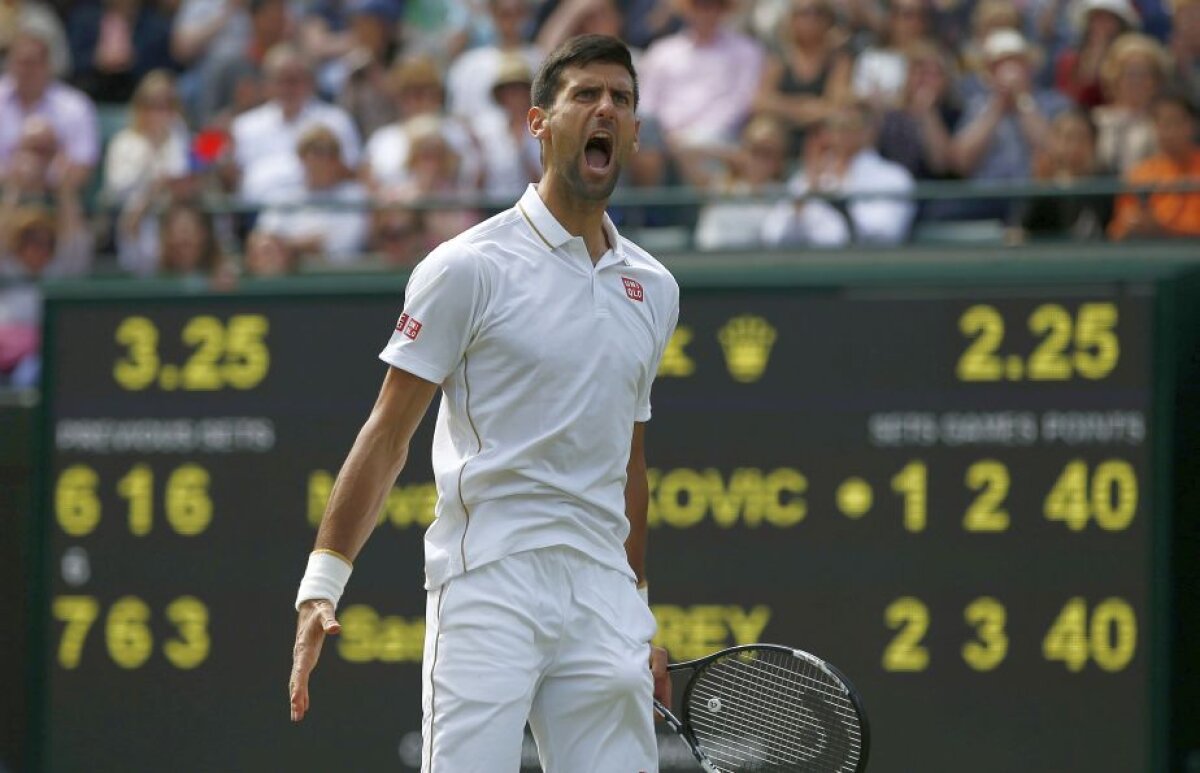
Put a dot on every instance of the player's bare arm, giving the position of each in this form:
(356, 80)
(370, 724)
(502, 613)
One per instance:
(637, 503)
(371, 467)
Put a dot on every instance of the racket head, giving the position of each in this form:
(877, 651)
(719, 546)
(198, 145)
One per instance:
(760, 708)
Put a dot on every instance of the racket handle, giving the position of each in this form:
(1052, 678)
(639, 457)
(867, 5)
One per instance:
(677, 726)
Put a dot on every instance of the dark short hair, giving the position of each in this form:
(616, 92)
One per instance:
(579, 51)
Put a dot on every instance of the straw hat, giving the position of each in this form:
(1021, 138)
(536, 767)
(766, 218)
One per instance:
(513, 70)
(1005, 43)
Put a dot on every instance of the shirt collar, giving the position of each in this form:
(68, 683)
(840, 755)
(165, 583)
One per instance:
(551, 232)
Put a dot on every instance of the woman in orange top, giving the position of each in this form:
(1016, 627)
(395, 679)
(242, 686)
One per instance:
(1164, 215)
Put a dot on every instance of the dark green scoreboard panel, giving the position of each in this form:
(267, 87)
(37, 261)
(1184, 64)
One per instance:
(952, 492)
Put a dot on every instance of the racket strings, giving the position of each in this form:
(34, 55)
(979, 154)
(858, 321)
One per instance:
(762, 710)
(799, 743)
(802, 738)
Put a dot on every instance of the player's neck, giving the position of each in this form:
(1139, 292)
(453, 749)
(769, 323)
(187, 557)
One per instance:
(579, 216)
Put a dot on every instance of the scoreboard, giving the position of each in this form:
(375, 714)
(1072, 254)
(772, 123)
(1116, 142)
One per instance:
(956, 491)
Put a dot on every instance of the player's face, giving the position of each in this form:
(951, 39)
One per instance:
(591, 130)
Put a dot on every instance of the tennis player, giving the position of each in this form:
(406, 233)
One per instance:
(544, 329)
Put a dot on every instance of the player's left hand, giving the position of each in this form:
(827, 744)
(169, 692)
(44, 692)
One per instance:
(662, 681)
(315, 621)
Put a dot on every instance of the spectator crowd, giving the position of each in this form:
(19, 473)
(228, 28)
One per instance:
(209, 139)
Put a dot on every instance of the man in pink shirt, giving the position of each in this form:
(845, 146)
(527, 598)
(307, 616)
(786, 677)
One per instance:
(699, 83)
(28, 89)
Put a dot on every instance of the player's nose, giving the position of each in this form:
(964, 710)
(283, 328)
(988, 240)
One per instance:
(606, 106)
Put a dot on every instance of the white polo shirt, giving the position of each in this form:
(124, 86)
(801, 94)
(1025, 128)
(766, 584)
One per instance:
(545, 362)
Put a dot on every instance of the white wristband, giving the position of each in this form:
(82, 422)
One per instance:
(644, 591)
(325, 577)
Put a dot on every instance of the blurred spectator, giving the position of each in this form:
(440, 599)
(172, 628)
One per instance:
(1001, 129)
(699, 83)
(114, 43)
(16, 15)
(417, 85)
(28, 89)
(811, 75)
(470, 78)
(840, 161)
(881, 69)
(1134, 71)
(511, 155)
(582, 17)
(322, 219)
(202, 33)
(988, 16)
(360, 77)
(46, 245)
(649, 20)
(1185, 45)
(436, 27)
(182, 242)
(34, 245)
(1077, 70)
(270, 25)
(268, 255)
(916, 134)
(1069, 158)
(432, 173)
(36, 163)
(758, 164)
(323, 33)
(399, 236)
(1163, 215)
(153, 149)
(265, 138)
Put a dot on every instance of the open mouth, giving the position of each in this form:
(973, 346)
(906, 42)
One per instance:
(598, 151)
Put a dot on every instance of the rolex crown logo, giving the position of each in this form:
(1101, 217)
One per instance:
(747, 342)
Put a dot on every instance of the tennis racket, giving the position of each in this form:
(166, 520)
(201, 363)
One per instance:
(763, 707)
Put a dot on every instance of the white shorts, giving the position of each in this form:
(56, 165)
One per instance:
(549, 636)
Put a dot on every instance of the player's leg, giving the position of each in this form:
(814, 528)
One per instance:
(592, 710)
(483, 657)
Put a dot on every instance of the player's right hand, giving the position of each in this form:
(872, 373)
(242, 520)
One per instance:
(315, 620)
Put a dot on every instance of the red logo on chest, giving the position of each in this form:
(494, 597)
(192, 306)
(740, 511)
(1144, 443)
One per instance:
(632, 289)
(408, 326)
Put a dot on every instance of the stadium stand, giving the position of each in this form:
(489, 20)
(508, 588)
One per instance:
(1034, 113)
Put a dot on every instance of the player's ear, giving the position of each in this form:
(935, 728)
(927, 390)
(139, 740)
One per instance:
(637, 133)
(539, 122)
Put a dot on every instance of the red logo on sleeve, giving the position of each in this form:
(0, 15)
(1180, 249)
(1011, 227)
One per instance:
(632, 289)
(408, 326)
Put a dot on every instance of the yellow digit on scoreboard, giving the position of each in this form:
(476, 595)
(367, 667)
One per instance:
(189, 507)
(78, 612)
(191, 644)
(987, 616)
(76, 505)
(127, 632)
(139, 367)
(910, 617)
